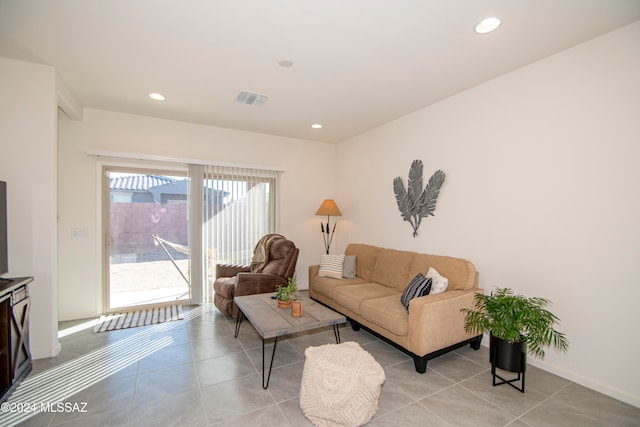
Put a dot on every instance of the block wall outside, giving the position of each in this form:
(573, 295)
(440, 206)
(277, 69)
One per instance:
(134, 224)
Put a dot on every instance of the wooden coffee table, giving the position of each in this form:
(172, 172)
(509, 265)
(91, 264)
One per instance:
(273, 322)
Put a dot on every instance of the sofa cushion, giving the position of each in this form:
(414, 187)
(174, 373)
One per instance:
(460, 272)
(365, 258)
(351, 297)
(331, 266)
(439, 282)
(392, 268)
(326, 285)
(418, 287)
(349, 267)
(388, 313)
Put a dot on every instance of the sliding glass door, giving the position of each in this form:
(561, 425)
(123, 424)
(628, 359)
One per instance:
(146, 251)
(238, 208)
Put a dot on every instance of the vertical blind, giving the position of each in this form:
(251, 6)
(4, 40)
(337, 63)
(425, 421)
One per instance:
(238, 208)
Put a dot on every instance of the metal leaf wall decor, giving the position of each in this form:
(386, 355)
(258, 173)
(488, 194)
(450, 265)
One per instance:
(415, 202)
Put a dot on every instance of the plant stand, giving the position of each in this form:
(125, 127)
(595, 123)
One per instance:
(511, 357)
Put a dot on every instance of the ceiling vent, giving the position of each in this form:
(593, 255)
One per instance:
(251, 98)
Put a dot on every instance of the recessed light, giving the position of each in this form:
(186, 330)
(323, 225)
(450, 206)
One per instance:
(487, 25)
(286, 63)
(156, 96)
(316, 126)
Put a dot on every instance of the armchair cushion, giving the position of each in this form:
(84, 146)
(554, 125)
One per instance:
(280, 258)
(257, 283)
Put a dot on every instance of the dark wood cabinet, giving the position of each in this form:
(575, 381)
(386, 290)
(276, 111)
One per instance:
(15, 356)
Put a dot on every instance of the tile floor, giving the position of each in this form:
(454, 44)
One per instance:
(194, 373)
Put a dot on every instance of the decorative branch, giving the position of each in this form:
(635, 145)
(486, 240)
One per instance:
(327, 234)
(415, 202)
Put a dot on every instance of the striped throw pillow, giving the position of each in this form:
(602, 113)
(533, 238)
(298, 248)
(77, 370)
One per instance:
(418, 287)
(331, 266)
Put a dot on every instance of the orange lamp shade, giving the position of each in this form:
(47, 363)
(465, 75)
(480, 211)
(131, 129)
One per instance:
(329, 208)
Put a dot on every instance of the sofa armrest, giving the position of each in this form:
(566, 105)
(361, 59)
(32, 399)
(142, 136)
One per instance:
(313, 270)
(230, 270)
(436, 322)
(257, 283)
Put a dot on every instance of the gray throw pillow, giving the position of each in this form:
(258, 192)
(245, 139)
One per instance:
(349, 267)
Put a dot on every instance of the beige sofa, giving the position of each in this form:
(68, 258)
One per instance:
(434, 324)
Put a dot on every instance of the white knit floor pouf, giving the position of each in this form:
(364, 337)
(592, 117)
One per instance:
(340, 385)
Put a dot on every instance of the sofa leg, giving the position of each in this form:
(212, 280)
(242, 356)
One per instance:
(354, 325)
(420, 364)
(475, 343)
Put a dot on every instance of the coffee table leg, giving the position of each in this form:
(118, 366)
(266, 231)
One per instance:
(273, 353)
(336, 332)
(238, 323)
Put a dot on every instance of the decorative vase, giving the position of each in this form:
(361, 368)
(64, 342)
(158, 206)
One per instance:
(284, 304)
(296, 308)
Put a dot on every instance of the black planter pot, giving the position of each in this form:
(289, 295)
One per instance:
(511, 357)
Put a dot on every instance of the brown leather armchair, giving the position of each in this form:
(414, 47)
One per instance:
(235, 280)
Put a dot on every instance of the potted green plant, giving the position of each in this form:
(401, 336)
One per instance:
(286, 294)
(517, 325)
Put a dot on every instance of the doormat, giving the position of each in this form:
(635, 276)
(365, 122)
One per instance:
(132, 319)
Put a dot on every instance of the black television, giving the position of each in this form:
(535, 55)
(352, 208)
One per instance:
(4, 258)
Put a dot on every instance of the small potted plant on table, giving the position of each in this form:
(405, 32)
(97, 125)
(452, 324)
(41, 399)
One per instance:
(516, 324)
(286, 294)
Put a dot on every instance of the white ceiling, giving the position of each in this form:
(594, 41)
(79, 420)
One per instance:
(357, 63)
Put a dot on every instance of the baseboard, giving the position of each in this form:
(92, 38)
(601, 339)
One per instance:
(580, 380)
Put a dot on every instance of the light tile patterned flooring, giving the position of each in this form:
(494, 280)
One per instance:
(194, 373)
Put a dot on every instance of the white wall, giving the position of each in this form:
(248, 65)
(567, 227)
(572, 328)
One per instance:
(542, 194)
(309, 177)
(28, 165)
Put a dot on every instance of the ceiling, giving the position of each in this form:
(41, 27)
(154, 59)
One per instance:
(357, 64)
